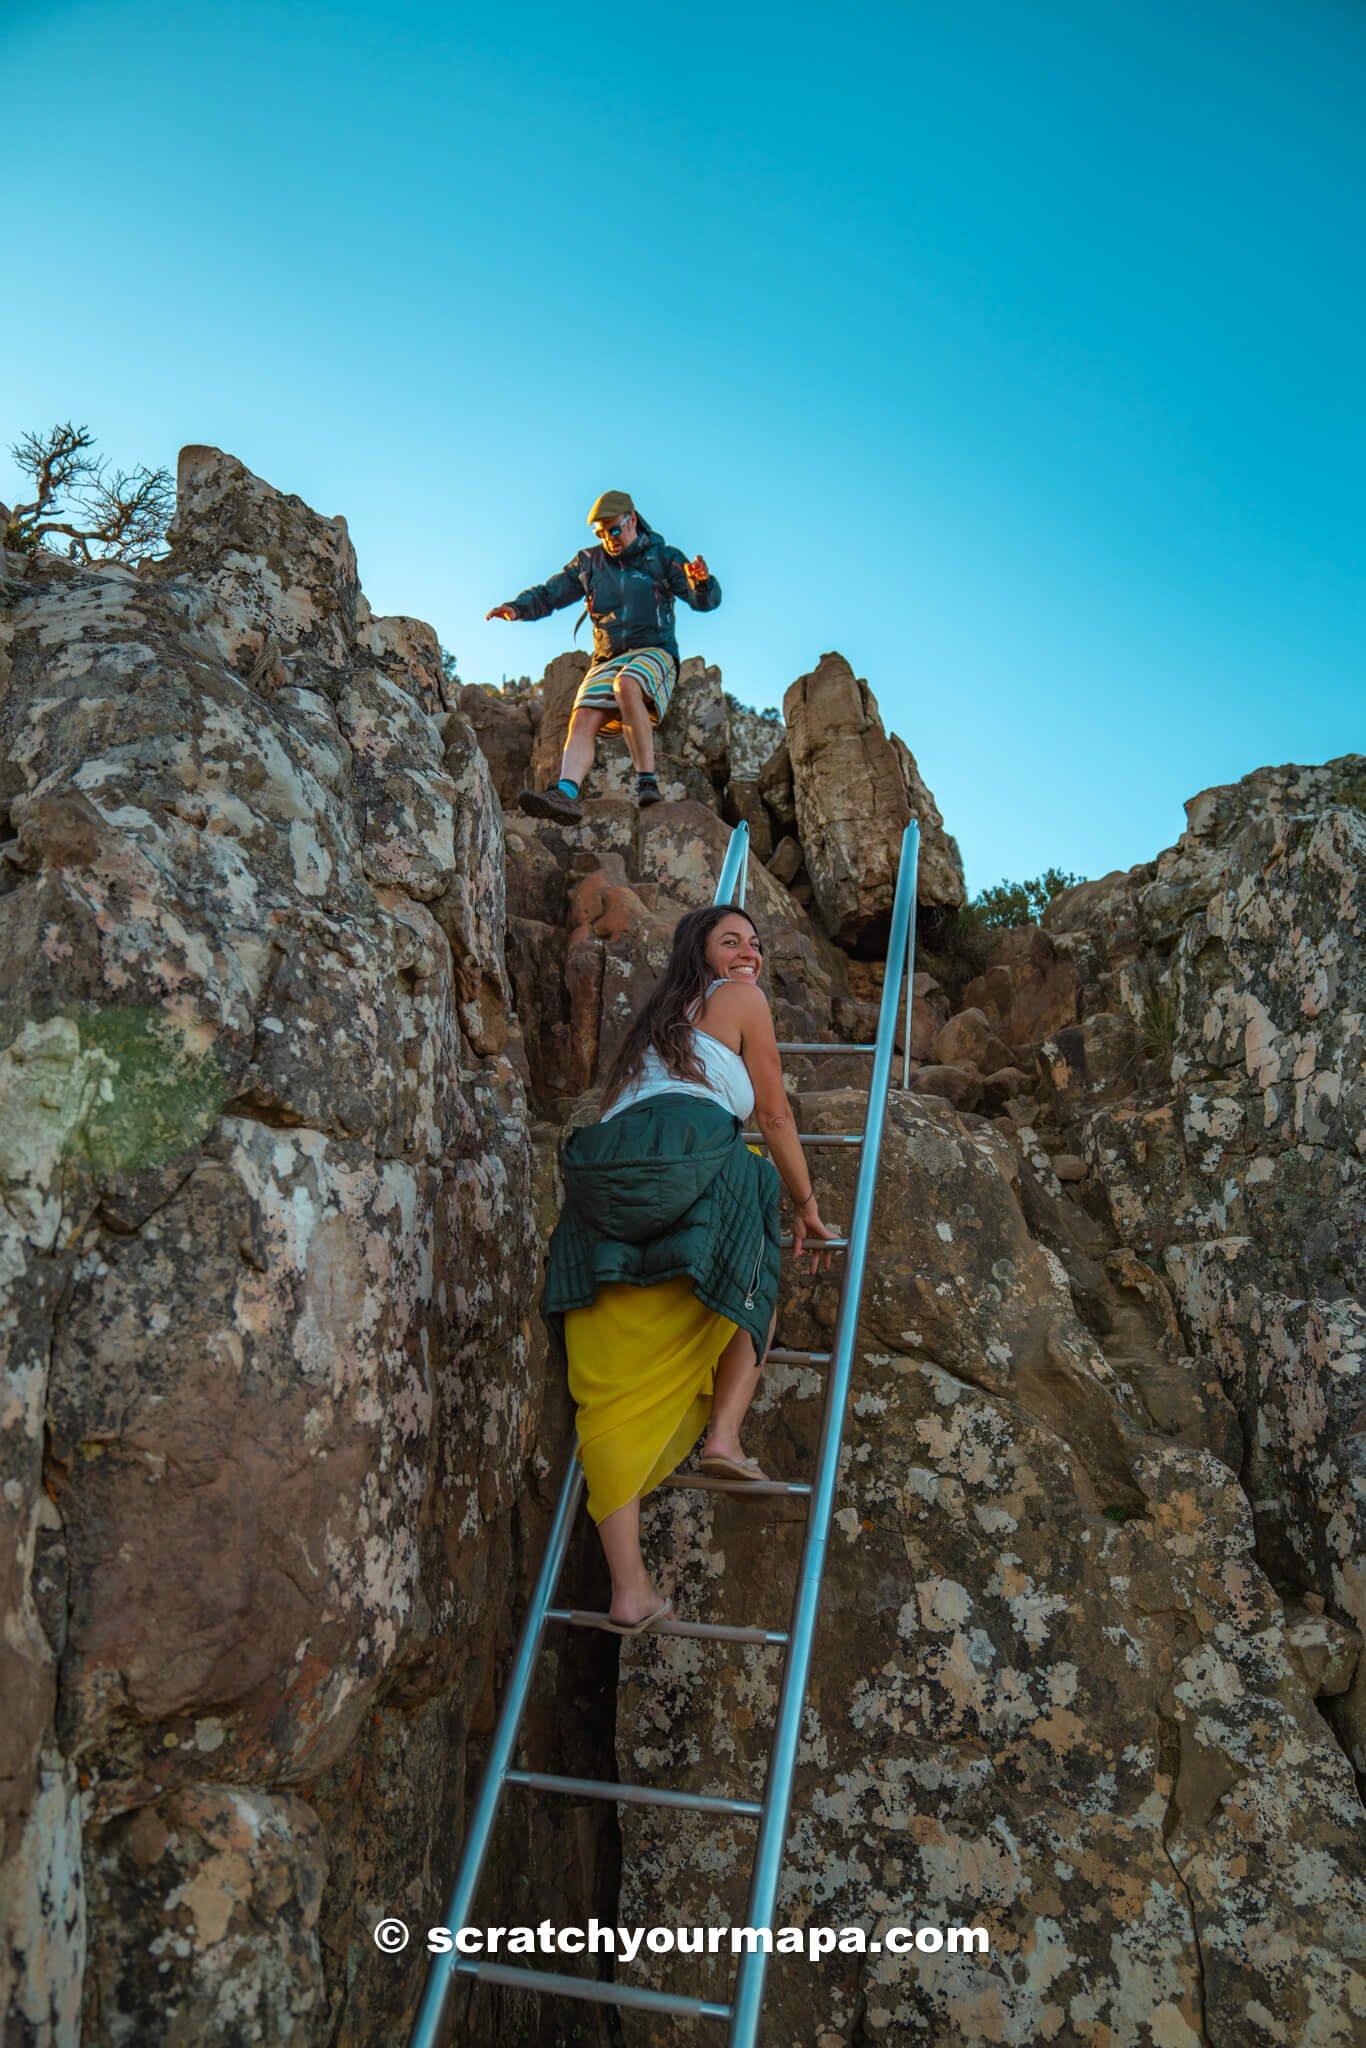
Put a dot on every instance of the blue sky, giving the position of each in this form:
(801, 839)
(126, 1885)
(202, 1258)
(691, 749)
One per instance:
(1013, 351)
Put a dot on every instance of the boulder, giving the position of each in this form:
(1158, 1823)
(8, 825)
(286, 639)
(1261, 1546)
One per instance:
(1089, 1063)
(1029, 988)
(786, 863)
(1003, 1088)
(775, 787)
(851, 801)
(1241, 1168)
(696, 727)
(854, 793)
(506, 734)
(745, 806)
(961, 1084)
(1110, 904)
(559, 687)
(968, 1038)
(618, 945)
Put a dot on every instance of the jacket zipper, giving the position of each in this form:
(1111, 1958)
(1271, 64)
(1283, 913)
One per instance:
(754, 1278)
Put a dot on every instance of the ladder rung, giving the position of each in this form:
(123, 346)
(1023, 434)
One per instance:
(819, 1244)
(819, 1045)
(594, 1989)
(637, 1795)
(705, 1483)
(709, 1631)
(811, 1138)
(778, 1356)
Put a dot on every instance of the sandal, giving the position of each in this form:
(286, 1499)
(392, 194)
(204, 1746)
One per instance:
(717, 1467)
(644, 1625)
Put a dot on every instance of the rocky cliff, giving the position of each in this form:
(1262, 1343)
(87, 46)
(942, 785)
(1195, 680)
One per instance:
(1090, 1670)
(268, 1264)
(296, 1005)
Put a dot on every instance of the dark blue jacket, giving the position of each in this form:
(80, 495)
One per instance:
(630, 598)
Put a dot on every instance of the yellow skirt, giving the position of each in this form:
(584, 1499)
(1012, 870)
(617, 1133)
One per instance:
(642, 1365)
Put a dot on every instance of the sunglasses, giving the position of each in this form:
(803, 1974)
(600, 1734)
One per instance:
(612, 532)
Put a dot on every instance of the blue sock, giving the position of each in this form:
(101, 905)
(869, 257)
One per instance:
(571, 789)
(645, 778)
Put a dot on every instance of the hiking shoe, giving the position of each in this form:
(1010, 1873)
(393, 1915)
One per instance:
(551, 803)
(649, 795)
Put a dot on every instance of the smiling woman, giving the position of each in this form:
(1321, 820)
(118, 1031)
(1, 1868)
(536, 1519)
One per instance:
(664, 1264)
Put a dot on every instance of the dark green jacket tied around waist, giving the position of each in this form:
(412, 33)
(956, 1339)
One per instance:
(664, 1189)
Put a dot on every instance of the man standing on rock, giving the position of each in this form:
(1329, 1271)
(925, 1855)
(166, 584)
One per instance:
(628, 583)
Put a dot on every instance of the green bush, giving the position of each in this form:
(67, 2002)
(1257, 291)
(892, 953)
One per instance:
(770, 714)
(1015, 903)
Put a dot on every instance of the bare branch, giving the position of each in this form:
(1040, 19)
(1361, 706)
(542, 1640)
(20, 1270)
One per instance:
(55, 461)
(124, 514)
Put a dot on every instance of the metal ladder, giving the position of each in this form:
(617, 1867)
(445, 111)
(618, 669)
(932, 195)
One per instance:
(746, 2003)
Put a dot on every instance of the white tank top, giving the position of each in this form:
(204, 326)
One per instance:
(727, 1078)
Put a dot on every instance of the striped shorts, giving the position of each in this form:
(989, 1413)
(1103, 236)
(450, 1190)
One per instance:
(653, 669)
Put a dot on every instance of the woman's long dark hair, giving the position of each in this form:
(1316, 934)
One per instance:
(663, 1023)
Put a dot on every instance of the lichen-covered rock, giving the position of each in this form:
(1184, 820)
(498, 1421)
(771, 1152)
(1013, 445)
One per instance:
(1090, 1062)
(754, 738)
(1246, 1173)
(265, 1229)
(1053, 1697)
(223, 1887)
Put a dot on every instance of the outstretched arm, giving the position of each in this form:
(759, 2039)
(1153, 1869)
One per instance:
(541, 599)
(693, 582)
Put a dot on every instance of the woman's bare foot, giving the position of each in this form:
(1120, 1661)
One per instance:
(632, 1604)
(719, 1443)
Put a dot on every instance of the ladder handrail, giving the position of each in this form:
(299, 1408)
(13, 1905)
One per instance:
(730, 888)
(747, 1999)
(427, 2025)
(746, 2006)
(734, 868)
